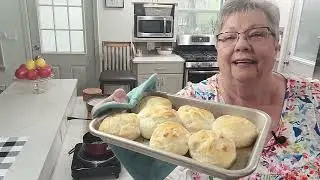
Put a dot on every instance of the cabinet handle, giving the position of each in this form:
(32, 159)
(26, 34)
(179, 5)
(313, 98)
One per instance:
(160, 69)
(158, 84)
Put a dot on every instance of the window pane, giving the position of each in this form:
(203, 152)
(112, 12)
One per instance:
(205, 23)
(45, 17)
(61, 17)
(48, 41)
(75, 2)
(196, 23)
(185, 4)
(75, 17)
(63, 41)
(201, 4)
(45, 2)
(213, 4)
(77, 43)
(60, 2)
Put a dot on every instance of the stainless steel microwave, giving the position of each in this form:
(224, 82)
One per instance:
(154, 27)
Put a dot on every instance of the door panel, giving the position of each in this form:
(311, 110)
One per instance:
(307, 43)
(304, 39)
(63, 33)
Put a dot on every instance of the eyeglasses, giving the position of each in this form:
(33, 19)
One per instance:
(253, 35)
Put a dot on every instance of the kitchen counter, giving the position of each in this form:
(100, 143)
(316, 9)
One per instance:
(41, 118)
(172, 58)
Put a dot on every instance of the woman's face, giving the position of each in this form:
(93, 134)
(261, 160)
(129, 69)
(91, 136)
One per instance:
(252, 55)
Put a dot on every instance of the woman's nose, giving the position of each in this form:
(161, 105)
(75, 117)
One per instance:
(242, 44)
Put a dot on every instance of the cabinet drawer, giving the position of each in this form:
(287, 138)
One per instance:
(160, 68)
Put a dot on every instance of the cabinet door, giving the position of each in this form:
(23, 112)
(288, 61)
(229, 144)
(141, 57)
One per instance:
(142, 78)
(170, 83)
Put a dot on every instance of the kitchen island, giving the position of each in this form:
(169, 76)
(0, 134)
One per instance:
(76, 129)
(41, 118)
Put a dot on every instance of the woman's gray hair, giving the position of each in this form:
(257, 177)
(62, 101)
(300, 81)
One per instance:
(234, 6)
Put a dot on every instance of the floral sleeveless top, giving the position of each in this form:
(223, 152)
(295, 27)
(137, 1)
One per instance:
(299, 157)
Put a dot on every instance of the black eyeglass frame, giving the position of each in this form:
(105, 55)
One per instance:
(245, 32)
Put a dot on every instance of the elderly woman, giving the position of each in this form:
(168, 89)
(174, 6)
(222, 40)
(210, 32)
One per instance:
(247, 45)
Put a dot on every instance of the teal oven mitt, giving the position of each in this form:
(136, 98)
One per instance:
(139, 166)
(134, 96)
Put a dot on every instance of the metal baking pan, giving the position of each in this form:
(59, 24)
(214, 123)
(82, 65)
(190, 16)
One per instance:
(247, 158)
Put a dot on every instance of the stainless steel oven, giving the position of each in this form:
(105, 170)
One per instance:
(154, 27)
(197, 75)
(197, 71)
(200, 57)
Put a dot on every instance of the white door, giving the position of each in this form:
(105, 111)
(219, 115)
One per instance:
(303, 39)
(62, 31)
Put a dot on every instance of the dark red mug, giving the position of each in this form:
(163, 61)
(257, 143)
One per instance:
(94, 146)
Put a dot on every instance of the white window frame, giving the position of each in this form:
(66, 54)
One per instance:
(69, 30)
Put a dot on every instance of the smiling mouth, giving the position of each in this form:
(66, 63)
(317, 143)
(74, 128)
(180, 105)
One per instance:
(247, 61)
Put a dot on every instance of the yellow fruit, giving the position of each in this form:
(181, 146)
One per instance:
(30, 65)
(41, 63)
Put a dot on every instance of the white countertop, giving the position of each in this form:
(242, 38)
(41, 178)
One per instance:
(76, 129)
(172, 58)
(39, 117)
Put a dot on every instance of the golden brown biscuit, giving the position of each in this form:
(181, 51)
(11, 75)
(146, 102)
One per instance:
(152, 101)
(170, 136)
(125, 125)
(195, 119)
(240, 129)
(213, 148)
(151, 117)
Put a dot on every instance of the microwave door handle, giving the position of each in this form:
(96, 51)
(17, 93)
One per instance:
(164, 25)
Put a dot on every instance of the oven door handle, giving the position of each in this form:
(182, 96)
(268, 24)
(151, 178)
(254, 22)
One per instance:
(202, 72)
(164, 25)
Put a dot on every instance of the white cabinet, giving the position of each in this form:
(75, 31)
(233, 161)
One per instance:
(169, 75)
(170, 83)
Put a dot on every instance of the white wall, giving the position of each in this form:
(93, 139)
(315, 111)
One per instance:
(13, 46)
(115, 24)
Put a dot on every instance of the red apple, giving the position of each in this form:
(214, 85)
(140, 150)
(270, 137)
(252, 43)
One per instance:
(48, 66)
(45, 72)
(32, 75)
(21, 73)
(37, 71)
(23, 66)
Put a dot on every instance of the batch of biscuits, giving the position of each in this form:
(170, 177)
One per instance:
(187, 130)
